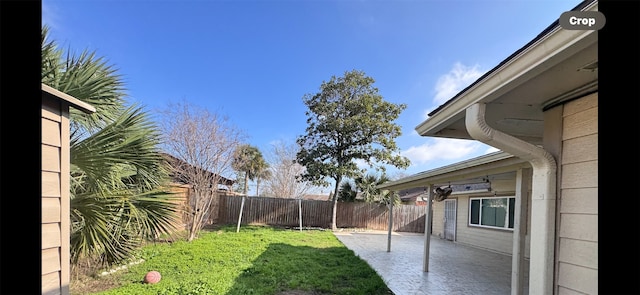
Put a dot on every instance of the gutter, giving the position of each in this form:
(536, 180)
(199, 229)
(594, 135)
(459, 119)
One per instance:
(543, 199)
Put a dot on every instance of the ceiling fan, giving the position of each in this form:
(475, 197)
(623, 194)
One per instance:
(442, 193)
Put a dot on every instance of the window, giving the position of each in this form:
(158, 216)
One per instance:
(492, 212)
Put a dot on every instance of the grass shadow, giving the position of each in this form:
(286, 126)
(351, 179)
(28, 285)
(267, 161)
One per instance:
(288, 269)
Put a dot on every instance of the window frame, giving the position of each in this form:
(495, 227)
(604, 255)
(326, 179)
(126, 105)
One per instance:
(479, 225)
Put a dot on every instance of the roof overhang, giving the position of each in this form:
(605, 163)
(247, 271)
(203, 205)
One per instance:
(498, 165)
(555, 67)
(74, 102)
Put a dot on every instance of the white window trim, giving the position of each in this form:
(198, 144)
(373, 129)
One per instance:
(480, 217)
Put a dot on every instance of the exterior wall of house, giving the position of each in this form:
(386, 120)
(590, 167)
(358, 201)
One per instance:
(577, 248)
(496, 240)
(55, 197)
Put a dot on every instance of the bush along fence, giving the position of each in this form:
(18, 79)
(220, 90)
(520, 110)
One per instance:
(285, 212)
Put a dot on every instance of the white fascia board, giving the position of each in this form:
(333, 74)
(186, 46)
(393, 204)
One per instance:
(457, 168)
(74, 102)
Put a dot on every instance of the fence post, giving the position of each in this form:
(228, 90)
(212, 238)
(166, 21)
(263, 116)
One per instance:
(240, 215)
(300, 212)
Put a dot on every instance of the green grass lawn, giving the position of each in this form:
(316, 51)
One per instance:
(257, 260)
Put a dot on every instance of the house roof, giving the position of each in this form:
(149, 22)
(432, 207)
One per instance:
(221, 179)
(497, 165)
(519, 89)
(74, 102)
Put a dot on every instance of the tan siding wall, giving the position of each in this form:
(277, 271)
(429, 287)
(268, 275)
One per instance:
(55, 197)
(579, 226)
(579, 252)
(50, 158)
(50, 235)
(578, 222)
(50, 210)
(491, 239)
(438, 219)
(50, 260)
(50, 184)
(579, 200)
(580, 149)
(580, 175)
(51, 283)
(581, 279)
(51, 132)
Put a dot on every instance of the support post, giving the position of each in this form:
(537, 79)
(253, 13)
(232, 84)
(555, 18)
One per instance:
(427, 227)
(523, 177)
(390, 206)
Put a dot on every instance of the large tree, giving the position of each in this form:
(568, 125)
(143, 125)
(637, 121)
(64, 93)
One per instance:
(348, 120)
(116, 170)
(203, 144)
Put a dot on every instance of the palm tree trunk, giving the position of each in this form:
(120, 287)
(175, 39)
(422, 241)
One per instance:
(246, 182)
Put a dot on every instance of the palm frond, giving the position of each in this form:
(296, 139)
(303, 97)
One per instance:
(86, 77)
(123, 149)
(90, 225)
(111, 227)
(51, 58)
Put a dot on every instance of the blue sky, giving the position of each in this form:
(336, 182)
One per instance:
(253, 61)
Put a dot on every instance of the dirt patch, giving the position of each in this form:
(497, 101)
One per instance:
(85, 280)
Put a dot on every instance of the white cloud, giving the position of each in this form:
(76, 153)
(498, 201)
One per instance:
(441, 149)
(451, 83)
(457, 79)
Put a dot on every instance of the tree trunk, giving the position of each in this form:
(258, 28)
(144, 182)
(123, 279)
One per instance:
(335, 204)
(246, 182)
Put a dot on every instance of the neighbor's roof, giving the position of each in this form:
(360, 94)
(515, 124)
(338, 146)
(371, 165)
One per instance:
(221, 180)
(316, 197)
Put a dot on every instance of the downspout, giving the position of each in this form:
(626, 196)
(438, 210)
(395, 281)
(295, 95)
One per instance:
(543, 199)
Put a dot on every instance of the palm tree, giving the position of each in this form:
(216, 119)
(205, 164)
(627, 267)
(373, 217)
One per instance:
(248, 160)
(116, 170)
(368, 187)
(347, 192)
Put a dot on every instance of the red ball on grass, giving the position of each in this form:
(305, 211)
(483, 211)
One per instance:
(152, 277)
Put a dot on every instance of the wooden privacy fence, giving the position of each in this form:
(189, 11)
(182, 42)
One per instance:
(406, 218)
(274, 211)
(285, 212)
